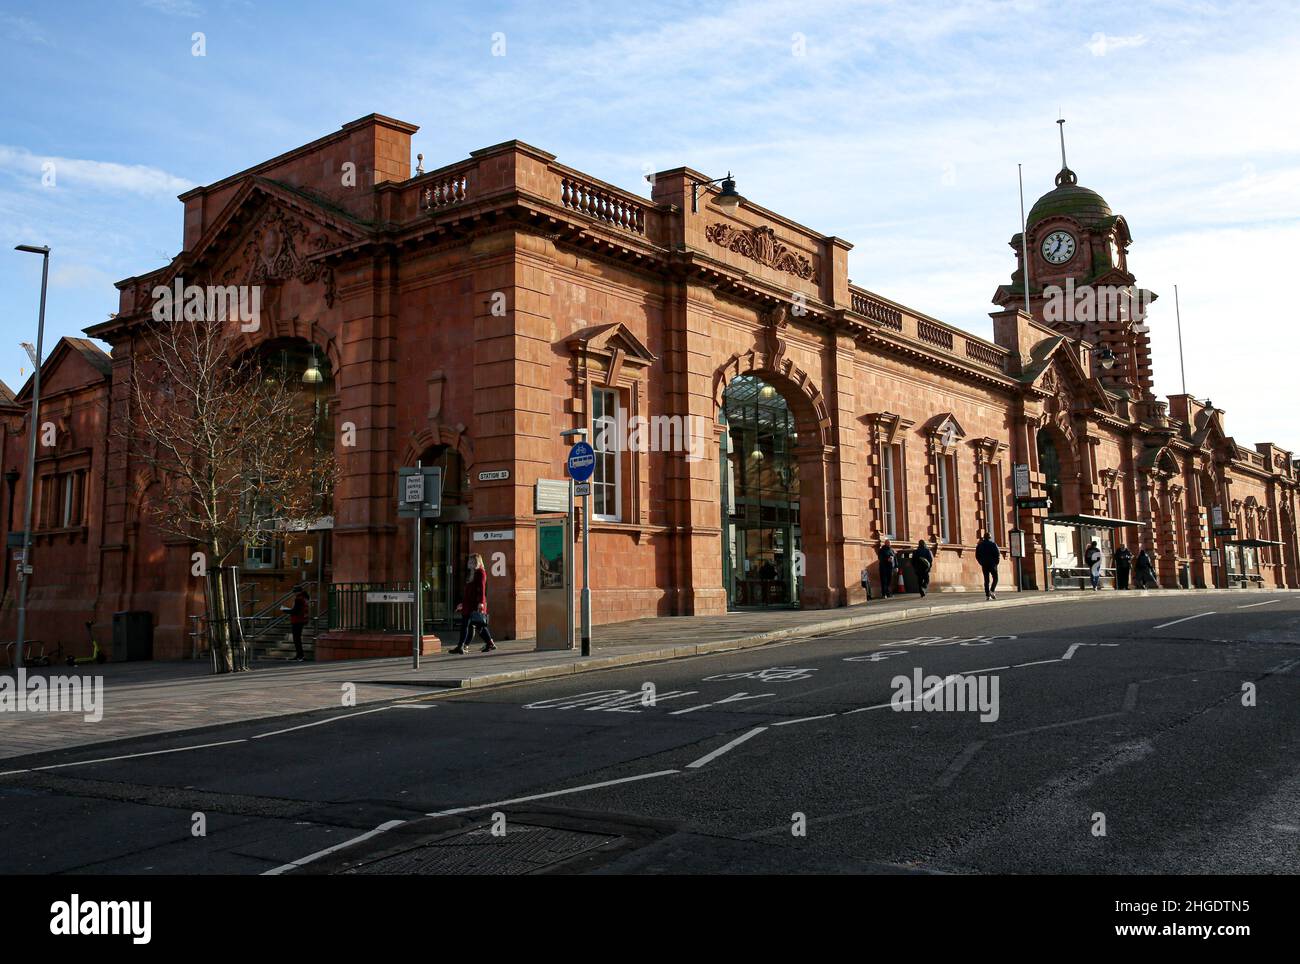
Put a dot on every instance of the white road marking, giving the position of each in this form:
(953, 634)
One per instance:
(959, 764)
(1184, 619)
(553, 793)
(125, 756)
(1039, 662)
(1069, 653)
(805, 719)
(332, 719)
(709, 757)
(730, 699)
(382, 828)
(1253, 605)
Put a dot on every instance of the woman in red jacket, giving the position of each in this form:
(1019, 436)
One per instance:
(473, 607)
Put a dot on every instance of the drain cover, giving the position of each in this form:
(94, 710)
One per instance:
(523, 849)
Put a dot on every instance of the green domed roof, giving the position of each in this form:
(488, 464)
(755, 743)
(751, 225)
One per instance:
(1070, 199)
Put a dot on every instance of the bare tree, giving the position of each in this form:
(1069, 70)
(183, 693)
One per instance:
(231, 445)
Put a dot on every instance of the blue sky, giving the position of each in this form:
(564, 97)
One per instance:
(897, 126)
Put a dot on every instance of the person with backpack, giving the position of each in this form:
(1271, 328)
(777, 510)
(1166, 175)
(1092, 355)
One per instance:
(888, 562)
(298, 616)
(988, 556)
(922, 563)
(1092, 559)
(1146, 569)
(473, 608)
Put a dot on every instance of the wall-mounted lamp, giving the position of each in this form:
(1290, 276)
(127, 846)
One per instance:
(727, 198)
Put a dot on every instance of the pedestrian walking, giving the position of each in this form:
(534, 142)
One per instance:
(473, 607)
(866, 580)
(888, 562)
(1092, 559)
(922, 563)
(1123, 566)
(298, 615)
(988, 555)
(1146, 569)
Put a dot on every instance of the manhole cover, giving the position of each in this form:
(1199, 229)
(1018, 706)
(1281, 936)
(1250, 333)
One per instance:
(523, 849)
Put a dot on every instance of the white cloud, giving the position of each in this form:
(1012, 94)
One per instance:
(175, 8)
(1100, 44)
(101, 175)
(22, 29)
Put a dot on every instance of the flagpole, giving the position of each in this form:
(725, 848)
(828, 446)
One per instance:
(1179, 316)
(1024, 239)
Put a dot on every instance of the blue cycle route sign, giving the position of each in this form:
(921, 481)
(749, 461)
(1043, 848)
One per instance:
(582, 462)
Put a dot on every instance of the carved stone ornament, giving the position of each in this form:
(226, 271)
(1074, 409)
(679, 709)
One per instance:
(761, 245)
(272, 253)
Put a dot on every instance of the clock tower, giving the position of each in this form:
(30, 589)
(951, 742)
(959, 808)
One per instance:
(1079, 282)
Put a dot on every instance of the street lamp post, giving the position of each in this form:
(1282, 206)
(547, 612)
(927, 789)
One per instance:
(24, 573)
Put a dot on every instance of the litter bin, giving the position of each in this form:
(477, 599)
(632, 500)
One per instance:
(132, 635)
(910, 582)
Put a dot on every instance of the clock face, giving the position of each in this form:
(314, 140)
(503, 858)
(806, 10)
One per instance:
(1058, 247)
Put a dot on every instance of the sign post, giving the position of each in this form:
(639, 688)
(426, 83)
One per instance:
(581, 465)
(419, 497)
(1016, 540)
(1021, 475)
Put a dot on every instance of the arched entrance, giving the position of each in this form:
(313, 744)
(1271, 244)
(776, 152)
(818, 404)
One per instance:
(297, 551)
(443, 546)
(762, 564)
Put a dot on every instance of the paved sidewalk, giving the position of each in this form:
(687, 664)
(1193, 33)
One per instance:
(146, 699)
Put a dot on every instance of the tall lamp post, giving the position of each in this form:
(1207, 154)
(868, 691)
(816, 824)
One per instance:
(24, 574)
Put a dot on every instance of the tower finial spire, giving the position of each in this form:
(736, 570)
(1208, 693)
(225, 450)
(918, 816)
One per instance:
(1066, 176)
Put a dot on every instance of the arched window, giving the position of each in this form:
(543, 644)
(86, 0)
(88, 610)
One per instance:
(1049, 463)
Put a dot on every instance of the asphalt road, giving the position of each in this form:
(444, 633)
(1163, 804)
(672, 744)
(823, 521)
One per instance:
(788, 758)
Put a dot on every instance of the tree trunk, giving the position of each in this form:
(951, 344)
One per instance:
(218, 621)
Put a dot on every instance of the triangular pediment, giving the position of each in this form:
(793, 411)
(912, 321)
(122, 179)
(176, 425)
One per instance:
(945, 426)
(266, 233)
(606, 340)
(74, 363)
(1059, 374)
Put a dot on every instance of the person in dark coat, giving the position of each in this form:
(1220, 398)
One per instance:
(1123, 566)
(1092, 559)
(1146, 569)
(988, 556)
(922, 563)
(474, 607)
(888, 562)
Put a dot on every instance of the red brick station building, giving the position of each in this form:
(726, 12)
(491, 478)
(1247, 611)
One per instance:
(466, 316)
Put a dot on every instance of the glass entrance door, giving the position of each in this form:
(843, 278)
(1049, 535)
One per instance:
(762, 545)
(439, 568)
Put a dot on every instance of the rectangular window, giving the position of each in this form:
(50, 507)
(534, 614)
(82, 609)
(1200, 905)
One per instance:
(260, 557)
(889, 494)
(993, 500)
(946, 469)
(606, 496)
(69, 484)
